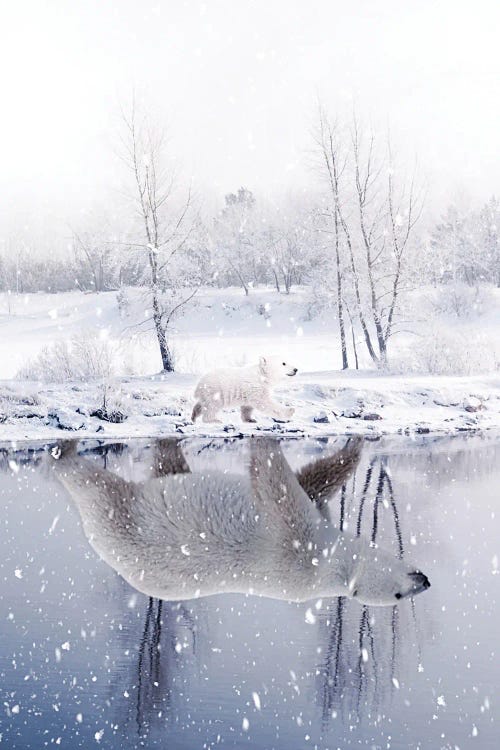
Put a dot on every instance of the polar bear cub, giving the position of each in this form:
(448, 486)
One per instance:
(246, 387)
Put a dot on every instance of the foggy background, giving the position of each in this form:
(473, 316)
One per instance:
(393, 265)
(237, 85)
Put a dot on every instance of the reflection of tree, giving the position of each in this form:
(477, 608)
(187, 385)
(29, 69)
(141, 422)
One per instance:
(363, 651)
(107, 451)
(23, 457)
(160, 657)
(384, 492)
(169, 631)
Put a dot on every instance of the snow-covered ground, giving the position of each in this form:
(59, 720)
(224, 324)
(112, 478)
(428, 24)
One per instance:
(326, 403)
(220, 328)
(224, 328)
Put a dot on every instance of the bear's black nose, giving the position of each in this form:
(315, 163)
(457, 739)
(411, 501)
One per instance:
(420, 579)
(295, 370)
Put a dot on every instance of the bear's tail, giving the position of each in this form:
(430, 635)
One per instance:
(196, 411)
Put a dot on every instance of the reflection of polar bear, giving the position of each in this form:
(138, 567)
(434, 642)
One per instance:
(246, 387)
(185, 534)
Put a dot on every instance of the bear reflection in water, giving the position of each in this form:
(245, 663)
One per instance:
(184, 534)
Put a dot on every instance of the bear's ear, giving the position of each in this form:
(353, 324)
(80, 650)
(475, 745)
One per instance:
(262, 362)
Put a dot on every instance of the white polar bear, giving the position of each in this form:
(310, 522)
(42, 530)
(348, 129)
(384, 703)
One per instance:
(186, 534)
(246, 387)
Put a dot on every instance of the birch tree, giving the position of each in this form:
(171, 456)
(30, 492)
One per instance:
(387, 211)
(372, 214)
(166, 223)
(336, 159)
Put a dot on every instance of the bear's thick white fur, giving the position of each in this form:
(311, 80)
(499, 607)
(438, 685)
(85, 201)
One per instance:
(246, 387)
(195, 534)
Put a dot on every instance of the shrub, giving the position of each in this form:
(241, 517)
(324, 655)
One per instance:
(86, 356)
(460, 300)
(447, 352)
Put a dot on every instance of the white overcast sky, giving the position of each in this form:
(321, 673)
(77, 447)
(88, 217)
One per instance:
(237, 83)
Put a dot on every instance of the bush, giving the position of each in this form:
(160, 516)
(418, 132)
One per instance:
(447, 352)
(85, 357)
(460, 300)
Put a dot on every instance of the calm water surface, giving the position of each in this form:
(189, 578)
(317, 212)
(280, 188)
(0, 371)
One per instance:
(221, 627)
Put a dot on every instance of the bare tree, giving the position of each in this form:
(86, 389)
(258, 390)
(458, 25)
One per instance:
(236, 239)
(386, 217)
(329, 160)
(372, 224)
(404, 211)
(373, 237)
(464, 248)
(489, 239)
(288, 241)
(166, 224)
(335, 161)
(94, 253)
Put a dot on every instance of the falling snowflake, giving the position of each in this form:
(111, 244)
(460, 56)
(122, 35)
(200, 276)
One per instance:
(54, 524)
(310, 618)
(13, 467)
(256, 700)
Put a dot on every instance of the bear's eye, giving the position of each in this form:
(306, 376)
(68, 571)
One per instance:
(284, 364)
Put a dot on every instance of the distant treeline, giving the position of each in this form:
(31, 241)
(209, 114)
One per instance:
(243, 247)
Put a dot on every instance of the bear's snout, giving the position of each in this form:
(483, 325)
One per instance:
(420, 583)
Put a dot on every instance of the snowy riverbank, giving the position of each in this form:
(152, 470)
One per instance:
(326, 403)
(223, 328)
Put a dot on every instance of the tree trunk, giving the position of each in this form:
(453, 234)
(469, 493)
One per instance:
(380, 337)
(242, 280)
(161, 334)
(340, 307)
(390, 317)
(276, 281)
(369, 263)
(354, 270)
(343, 344)
(165, 353)
(354, 347)
(383, 350)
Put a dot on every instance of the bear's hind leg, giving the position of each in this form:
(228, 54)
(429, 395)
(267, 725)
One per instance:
(197, 410)
(246, 414)
(209, 414)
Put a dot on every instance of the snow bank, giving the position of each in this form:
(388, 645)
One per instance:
(328, 403)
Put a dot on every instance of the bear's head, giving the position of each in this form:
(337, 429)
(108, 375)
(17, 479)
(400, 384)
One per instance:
(376, 577)
(273, 368)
